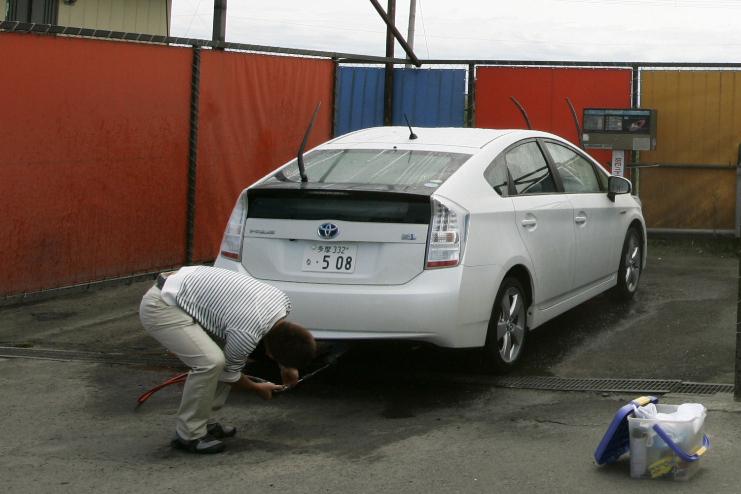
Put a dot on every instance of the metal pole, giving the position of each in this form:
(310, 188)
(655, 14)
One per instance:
(737, 368)
(738, 193)
(195, 93)
(737, 380)
(635, 173)
(471, 103)
(410, 31)
(392, 24)
(388, 91)
(219, 34)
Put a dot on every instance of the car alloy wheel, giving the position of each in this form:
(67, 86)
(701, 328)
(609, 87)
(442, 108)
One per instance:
(507, 328)
(510, 330)
(632, 263)
(630, 266)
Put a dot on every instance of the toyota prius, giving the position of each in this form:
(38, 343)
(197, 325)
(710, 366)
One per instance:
(457, 237)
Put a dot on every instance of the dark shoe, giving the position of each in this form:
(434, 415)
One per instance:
(205, 445)
(221, 431)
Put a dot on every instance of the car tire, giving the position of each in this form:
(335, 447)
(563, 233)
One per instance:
(507, 332)
(629, 272)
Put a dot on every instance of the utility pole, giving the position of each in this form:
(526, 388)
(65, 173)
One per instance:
(410, 32)
(219, 34)
(388, 106)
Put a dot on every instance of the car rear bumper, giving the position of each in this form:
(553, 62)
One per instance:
(447, 307)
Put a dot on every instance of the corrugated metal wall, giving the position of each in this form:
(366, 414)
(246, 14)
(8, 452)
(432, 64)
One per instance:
(3, 9)
(430, 98)
(699, 123)
(358, 99)
(134, 16)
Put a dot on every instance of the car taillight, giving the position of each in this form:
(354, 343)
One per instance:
(447, 235)
(231, 244)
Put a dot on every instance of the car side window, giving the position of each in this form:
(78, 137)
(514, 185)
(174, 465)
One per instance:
(529, 170)
(577, 174)
(496, 175)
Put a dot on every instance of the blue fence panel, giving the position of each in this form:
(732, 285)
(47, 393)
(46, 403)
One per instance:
(359, 100)
(429, 97)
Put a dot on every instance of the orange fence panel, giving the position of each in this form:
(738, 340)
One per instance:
(699, 124)
(93, 168)
(694, 198)
(254, 112)
(543, 92)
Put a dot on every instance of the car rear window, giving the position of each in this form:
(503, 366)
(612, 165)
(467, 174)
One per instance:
(397, 167)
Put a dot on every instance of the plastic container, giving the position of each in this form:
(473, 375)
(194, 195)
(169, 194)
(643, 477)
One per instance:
(616, 441)
(662, 448)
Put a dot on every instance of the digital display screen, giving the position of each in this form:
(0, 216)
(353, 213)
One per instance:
(626, 121)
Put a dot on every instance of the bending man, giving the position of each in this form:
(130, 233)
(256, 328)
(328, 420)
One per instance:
(187, 310)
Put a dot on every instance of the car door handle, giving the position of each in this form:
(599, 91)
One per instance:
(529, 222)
(580, 220)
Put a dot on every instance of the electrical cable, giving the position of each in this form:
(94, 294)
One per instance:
(424, 29)
(195, 14)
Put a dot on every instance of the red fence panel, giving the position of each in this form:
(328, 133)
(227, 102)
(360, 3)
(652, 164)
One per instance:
(254, 112)
(543, 93)
(93, 160)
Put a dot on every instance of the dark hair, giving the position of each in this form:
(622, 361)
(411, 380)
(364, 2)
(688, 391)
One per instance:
(290, 344)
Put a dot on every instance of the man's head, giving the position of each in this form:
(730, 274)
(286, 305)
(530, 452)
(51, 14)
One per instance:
(290, 344)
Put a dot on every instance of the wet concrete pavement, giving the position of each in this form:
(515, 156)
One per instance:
(385, 418)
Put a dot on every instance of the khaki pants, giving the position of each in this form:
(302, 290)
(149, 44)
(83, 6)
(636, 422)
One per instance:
(179, 333)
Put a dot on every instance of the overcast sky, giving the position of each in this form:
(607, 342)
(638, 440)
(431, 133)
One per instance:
(597, 30)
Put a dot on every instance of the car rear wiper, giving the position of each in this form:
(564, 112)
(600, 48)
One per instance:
(300, 157)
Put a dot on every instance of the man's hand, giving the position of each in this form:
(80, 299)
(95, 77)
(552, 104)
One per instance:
(263, 390)
(289, 376)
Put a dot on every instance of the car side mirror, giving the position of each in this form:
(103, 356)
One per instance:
(618, 185)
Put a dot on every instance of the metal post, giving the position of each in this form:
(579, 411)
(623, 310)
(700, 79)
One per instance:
(636, 102)
(737, 380)
(388, 106)
(410, 31)
(335, 97)
(219, 34)
(738, 193)
(195, 93)
(390, 23)
(471, 103)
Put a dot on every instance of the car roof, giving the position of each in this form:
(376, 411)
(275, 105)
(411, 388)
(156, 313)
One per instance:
(426, 136)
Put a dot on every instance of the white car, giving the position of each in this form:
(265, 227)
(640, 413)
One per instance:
(458, 237)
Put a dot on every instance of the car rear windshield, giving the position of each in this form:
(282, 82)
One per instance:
(397, 167)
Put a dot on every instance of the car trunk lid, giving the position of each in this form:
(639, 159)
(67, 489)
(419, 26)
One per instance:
(336, 233)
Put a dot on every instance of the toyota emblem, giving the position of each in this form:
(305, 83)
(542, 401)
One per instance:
(328, 231)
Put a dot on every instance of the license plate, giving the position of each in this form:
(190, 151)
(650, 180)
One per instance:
(330, 258)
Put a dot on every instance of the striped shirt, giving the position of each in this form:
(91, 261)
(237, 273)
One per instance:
(234, 307)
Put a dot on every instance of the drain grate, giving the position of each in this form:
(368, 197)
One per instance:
(703, 388)
(658, 386)
(655, 386)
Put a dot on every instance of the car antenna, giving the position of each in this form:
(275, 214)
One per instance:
(522, 110)
(412, 135)
(300, 157)
(576, 122)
